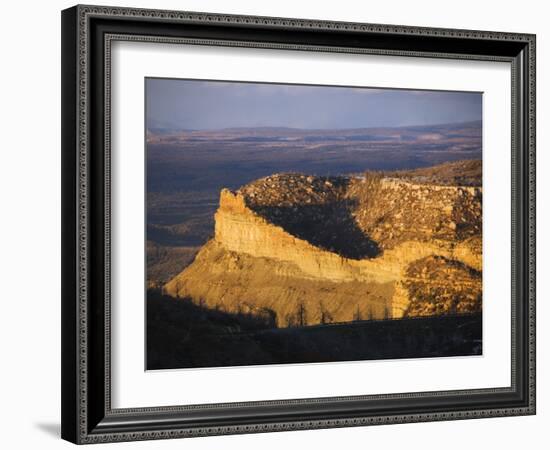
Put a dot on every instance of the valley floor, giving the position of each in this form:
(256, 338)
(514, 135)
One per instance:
(181, 334)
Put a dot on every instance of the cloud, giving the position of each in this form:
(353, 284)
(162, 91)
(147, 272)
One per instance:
(199, 104)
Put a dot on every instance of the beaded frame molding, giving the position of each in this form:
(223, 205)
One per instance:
(87, 35)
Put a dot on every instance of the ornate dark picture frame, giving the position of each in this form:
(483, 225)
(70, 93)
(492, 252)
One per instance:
(87, 34)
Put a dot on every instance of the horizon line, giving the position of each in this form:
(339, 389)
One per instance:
(273, 127)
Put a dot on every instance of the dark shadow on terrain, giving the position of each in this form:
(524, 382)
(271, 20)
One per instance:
(181, 334)
(329, 226)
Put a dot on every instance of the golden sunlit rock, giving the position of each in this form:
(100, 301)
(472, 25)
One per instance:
(306, 250)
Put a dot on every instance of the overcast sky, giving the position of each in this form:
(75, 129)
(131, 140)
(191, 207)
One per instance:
(201, 105)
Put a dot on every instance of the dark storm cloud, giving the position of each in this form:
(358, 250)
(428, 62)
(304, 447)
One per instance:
(190, 104)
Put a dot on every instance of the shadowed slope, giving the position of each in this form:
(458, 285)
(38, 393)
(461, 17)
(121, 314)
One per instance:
(314, 209)
(338, 248)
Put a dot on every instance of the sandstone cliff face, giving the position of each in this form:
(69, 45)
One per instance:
(414, 250)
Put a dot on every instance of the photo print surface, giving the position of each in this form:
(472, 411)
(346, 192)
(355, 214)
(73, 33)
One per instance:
(304, 223)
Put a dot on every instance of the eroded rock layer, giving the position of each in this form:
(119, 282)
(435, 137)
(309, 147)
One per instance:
(306, 250)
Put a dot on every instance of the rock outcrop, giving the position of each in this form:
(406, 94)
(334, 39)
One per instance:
(307, 250)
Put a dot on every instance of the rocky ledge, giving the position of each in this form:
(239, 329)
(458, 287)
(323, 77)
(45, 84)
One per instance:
(307, 250)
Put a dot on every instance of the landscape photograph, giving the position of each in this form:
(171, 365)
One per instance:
(290, 223)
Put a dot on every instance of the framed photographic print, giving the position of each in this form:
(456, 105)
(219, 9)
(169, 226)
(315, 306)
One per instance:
(279, 224)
